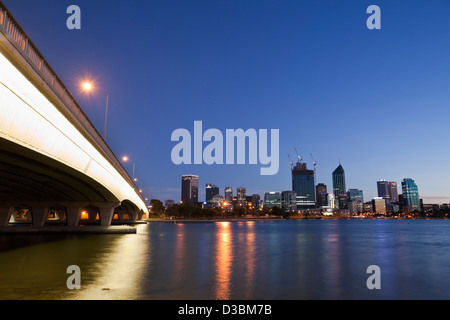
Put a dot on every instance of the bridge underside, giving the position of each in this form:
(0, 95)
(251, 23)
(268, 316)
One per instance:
(38, 188)
(26, 175)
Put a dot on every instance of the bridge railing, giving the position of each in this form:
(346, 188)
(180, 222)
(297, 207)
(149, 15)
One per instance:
(19, 39)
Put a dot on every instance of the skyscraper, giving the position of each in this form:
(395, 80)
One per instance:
(387, 190)
(321, 188)
(339, 181)
(228, 194)
(410, 193)
(304, 186)
(356, 200)
(355, 195)
(383, 190)
(393, 191)
(189, 189)
(211, 192)
(241, 196)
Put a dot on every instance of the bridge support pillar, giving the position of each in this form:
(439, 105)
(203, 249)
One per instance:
(73, 215)
(40, 215)
(134, 215)
(5, 216)
(107, 213)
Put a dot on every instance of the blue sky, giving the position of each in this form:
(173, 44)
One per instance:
(376, 99)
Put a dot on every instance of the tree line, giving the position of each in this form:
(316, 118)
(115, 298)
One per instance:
(191, 211)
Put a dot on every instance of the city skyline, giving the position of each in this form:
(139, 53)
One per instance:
(312, 60)
(387, 191)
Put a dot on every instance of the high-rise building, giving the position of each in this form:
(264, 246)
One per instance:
(241, 196)
(272, 199)
(189, 189)
(211, 192)
(355, 195)
(356, 198)
(393, 191)
(228, 194)
(320, 188)
(388, 190)
(410, 192)
(339, 181)
(342, 201)
(303, 185)
(383, 190)
(379, 205)
(289, 201)
(322, 201)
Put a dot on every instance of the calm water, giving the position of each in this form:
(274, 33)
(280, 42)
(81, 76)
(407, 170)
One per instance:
(235, 260)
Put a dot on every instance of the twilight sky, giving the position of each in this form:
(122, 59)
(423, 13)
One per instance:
(379, 100)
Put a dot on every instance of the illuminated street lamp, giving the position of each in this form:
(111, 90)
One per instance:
(88, 87)
(126, 159)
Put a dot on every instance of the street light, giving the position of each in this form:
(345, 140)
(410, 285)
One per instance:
(126, 159)
(88, 87)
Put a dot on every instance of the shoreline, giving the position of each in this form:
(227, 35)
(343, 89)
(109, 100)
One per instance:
(273, 219)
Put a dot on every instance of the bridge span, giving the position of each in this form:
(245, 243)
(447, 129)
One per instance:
(55, 167)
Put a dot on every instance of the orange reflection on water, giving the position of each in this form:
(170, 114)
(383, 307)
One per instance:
(224, 260)
(179, 254)
(250, 258)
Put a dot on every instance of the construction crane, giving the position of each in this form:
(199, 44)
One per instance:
(314, 163)
(290, 161)
(298, 156)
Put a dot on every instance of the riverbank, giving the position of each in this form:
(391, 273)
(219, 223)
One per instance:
(271, 219)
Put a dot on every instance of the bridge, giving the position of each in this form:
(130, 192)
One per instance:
(55, 168)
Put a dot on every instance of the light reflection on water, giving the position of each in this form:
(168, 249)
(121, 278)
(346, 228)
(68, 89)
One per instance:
(224, 261)
(235, 260)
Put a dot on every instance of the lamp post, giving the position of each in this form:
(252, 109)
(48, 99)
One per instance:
(88, 87)
(126, 159)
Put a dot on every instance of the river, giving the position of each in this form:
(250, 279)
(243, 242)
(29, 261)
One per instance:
(244, 260)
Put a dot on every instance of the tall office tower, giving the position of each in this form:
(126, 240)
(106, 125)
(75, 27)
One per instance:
(339, 181)
(388, 190)
(272, 199)
(410, 194)
(393, 191)
(211, 192)
(228, 194)
(289, 201)
(303, 185)
(241, 196)
(322, 201)
(355, 195)
(383, 190)
(342, 201)
(189, 189)
(320, 188)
